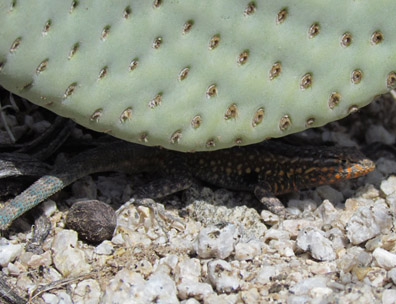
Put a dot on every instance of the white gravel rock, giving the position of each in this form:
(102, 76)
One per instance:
(392, 275)
(105, 248)
(323, 268)
(216, 242)
(247, 251)
(49, 207)
(223, 276)
(276, 234)
(60, 298)
(64, 297)
(389, 296)
(295, 226)
(338, 238)
(384, 258)
(320, 293)
(127, 285)
(285, 248)
(161, 288)
(251, 296)
(376, 277)
(188, 269)
(315, 242)
(354, 256)
(368, 222)
(327, 212)
(266, 273)
(9, 251)
(44, 259)
(50, 298)
(25, 282)
(305, 286)
(388, 186)
(67, 257)
(14, 270)
(172, 261)
(192, 289)
(269, 218)
(187, 275)
(87, 292)
(142, 266)
(391, 201)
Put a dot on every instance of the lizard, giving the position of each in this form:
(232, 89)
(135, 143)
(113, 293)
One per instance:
(267, 169)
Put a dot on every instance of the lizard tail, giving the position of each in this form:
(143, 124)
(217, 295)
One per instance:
(32, 196)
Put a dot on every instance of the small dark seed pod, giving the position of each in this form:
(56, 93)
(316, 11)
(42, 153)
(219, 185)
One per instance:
(94, 221)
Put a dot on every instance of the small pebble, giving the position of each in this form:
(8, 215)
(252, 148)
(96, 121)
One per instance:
(269, 218)
(216, 241)
(9, 251)
(50, 298)
(376, 277)
(67, 257)
(389, 296)
(105, 248)
(327, 212)
(188, 269)
(392, 275)
(197, 290)
(388, 186)
(251, 296)
(384, 258)
(314, 241)
(49, 207)
(368, 222)
(247, 251)
(305, 286)
(266, 273)
(223, 276)
(294, 226)
(44, 259)
(87, 292)
(285, 248)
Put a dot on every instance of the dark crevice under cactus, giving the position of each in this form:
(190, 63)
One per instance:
(198, 75)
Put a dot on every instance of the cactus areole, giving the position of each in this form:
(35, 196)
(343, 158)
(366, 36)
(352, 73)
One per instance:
(198, 75)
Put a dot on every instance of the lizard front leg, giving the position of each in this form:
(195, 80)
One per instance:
(270, 201)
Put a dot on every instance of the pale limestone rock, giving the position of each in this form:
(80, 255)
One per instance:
(315, 242)
(216, 242)
(9, 251)
(384, 258)
(67, 257)
(223, 276)
(368, 222)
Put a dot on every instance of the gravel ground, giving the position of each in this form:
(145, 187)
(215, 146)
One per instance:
(210, 245)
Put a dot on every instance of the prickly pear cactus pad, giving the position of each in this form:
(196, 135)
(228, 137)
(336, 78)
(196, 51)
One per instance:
(198, 75)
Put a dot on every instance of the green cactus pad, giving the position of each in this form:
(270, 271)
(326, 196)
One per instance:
(198, 75)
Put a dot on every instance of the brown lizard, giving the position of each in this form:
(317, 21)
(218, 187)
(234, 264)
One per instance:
(267, 169)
